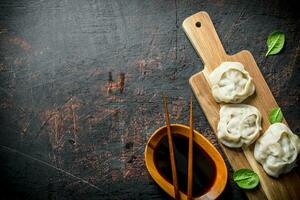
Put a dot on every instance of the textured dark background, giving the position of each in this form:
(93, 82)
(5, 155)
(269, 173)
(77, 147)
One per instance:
(81, 84)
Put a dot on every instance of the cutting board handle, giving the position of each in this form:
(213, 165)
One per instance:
(203, 36)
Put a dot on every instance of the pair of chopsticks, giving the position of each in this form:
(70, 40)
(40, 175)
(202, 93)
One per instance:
(171, 152)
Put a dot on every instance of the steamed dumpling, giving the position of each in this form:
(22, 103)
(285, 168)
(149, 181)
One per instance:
(277, 150)
(239, 125)
(231, 83)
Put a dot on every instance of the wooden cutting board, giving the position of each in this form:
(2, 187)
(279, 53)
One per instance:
(202, 34)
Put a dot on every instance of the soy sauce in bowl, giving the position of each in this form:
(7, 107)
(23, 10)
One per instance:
(204, 169)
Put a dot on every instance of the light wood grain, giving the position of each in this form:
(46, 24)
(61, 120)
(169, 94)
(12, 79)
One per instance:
(208, 46)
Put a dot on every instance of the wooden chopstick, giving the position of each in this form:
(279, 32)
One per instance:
(171, 150)
(190, 156)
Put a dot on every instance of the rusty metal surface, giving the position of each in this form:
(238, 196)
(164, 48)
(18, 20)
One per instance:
(81, 84)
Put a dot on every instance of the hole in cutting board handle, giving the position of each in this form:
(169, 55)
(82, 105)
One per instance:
(198, 24)
(201, 32)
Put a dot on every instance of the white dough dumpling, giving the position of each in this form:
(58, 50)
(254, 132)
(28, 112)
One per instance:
(231, 83)
(277, 150)
(239, 125)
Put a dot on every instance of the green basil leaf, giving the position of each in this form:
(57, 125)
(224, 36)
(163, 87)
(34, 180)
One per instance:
(275, 42)
(246, 178)
(275, 115)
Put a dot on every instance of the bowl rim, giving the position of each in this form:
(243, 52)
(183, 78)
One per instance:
(220, 181)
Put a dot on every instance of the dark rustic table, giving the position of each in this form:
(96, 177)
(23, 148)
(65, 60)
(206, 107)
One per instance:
(81, 84)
